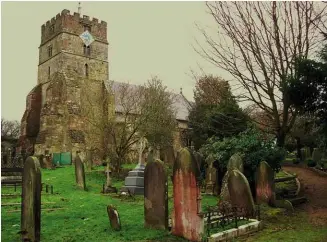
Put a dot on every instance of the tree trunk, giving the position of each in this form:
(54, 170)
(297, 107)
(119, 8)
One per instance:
(281, 136)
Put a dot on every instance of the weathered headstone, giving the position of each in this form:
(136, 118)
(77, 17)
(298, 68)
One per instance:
(211, 186)
(31, 200)
(187, 220)
(114, 218)
(265, 185)
(224, 194)
(235, 162)
(316, 155)
(155, 195)
(79, 173)
(198, 159)
(240, 192)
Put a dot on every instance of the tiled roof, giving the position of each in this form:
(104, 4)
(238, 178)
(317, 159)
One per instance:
(181, 104)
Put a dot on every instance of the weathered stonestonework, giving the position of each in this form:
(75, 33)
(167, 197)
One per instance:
(70, 84)
(30, 123)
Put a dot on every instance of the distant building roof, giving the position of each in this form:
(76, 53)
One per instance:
(180, 104)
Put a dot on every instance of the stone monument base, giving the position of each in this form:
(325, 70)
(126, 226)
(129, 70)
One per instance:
(134, 182)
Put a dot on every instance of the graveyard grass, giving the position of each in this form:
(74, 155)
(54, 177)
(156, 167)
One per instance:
(279, 225)
(84, 217)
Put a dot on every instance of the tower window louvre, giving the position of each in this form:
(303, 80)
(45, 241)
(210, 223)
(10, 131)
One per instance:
(87, 50)
(86, 70)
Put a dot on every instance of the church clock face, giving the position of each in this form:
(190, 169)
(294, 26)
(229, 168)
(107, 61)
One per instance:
(87, 38)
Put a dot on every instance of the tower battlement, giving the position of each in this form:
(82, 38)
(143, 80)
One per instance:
(75, 24)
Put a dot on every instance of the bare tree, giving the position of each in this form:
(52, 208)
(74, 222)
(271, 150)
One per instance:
(257, 43)
(131, 112)
(10, 129)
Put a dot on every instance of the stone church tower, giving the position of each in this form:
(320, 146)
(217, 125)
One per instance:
(71, 88)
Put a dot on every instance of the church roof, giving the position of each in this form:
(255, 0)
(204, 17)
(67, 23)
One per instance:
(180, 104)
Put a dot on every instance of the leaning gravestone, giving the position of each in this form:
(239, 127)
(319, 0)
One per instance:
(265, 185)
(187, 220)
(79, 173)
(114, 218)
(155, 199)
(240, 192)
(235, 162)
(31, 200)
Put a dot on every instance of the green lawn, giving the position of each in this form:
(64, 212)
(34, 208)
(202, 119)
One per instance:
(280, 226)
(84, 217)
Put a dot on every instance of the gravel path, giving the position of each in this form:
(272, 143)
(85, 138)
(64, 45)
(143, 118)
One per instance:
(314, 188)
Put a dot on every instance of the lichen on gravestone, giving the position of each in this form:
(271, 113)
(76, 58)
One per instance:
(187, 220)
(114, 218)
(31, 200)
(235, 162)
(79, 173)
(155, 199)
(265, 185)
(240, 192)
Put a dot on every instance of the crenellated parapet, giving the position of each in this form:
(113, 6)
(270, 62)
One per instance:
(75, 24)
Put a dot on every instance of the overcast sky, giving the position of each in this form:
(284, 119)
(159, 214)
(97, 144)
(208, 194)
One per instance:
(146, 38)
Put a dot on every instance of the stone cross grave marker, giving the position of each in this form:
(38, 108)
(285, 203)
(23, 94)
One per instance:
(155, 200)
(79, 173)
(114, 218)
(211, 177)
(240, 192)
(187, 219)
(265, 185)
(31, 200)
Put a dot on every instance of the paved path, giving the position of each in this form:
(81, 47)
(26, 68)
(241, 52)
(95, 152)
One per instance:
(314, 187)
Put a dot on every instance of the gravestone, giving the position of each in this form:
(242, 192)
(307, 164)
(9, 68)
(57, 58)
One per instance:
(134, 182)
(45, 162)
(211, 186)
(114, 218)
(48, 161)
(235, 162)
(224, 194)
(316, 155)
(265, 185)
(187, 218)
(80, 173)
(198, 159)
(240, 192)
(155, 195)
(31, 200)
